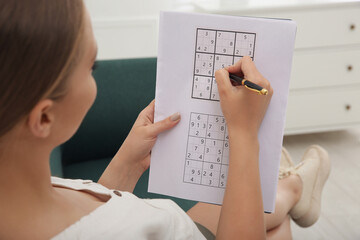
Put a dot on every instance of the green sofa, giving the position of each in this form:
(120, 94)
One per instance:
(125, 87)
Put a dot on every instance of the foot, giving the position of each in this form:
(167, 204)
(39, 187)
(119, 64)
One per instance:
(313, 171)
(293, 186)
(287, 166)
(286, 160)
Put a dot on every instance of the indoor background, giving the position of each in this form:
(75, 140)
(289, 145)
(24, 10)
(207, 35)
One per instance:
(324, 98)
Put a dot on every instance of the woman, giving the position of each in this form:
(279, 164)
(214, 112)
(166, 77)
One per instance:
(47, 52)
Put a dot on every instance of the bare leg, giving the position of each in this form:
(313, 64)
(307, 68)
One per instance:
(281, 232)
(288, 193)
(206, 214)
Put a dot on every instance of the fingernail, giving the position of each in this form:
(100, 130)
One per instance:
(175, 117)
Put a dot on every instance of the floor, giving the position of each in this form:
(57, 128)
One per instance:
(340, 213)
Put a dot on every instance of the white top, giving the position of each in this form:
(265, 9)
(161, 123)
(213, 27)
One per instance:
(125, 216)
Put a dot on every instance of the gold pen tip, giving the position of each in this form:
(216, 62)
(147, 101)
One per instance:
(264, 91)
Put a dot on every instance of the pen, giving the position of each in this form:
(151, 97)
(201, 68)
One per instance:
(249, 85)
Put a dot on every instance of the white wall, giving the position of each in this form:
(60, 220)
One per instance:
(108, 9)
(126, 29)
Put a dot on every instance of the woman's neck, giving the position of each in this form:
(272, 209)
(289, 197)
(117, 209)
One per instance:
(24, 174)
(27, 198)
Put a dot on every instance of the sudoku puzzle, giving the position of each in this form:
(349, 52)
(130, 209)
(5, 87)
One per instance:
(215, 49)
(207, 155)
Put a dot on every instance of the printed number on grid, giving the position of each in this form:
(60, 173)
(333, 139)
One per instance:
(216, 49)
(207, 155)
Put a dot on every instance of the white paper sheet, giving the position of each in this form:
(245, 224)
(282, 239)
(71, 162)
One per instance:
(190, 161)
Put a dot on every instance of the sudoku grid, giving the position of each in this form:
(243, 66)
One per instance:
(207, 154)
(215, 49)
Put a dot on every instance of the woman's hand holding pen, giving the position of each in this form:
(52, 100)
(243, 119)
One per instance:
(244, 110)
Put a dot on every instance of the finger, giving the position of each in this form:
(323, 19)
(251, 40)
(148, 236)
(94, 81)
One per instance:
(249, 69)
(148, 112)
(163, 125)
(236, 68)
(150, 108)
(245, 67)
(223, 80)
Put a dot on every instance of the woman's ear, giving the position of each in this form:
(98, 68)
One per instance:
(41, 118)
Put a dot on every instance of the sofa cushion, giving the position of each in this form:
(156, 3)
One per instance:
(125, 87)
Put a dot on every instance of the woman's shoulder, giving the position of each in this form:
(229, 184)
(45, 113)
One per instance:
(126, 216)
